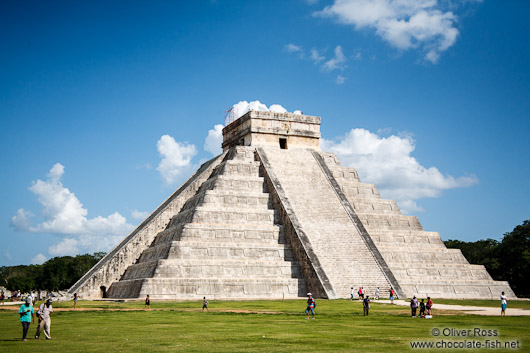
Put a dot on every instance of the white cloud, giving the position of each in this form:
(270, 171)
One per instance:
(214, 140)
(388, 163)
(404, 24)
(316, 57)
(337, 63)
(63, 213)
(176, 158)
(243, 107)
(292, 48)
(85, 244)
(66, 247)
(22, 220)
(38, 259)
(141, 215)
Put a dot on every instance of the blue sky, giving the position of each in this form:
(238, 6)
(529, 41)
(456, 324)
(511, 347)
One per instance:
(106, 108)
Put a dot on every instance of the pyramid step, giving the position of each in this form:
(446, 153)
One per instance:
(181, 250)
(243, 215)
(194, 288)
(232, 232)
(232, 182)
(239, 167)
(227, 270)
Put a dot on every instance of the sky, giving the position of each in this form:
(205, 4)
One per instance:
(108, 107)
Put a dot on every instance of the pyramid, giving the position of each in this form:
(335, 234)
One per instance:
(274, 217)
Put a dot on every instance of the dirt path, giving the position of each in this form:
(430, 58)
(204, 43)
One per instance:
(473, 310)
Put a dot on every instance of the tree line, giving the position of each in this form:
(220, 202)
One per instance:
(55, 274)
(505, 260)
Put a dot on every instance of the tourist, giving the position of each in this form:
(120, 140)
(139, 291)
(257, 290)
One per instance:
(310, 306)
(377, 294)
(44, 312)
(366, 305)
(2, 297)
(391, 290)
(414, 305)
(504, 303)
(26, 316)
(429, 306)
(204, 304)
(147, 303)
(361, 293)
(351, 293)
(422, 309)
(76, 297)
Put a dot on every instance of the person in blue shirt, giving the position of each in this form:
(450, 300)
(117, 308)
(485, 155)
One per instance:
(26, 317)
(366, 305)
(310, 306)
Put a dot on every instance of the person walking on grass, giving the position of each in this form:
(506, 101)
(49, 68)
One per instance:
(310, 306)
(414, 305)
(351, 293)
(147, 303)
(391, 290)
(422, 309)
(377, 294)
(204, 304)
(44, 312)
(366, 305)
(26, 317)
(504, 303)
(76, 297)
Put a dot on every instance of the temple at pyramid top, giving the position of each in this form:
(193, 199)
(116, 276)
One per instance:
(259, 128)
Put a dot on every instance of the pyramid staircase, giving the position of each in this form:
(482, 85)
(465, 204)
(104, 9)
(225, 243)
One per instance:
(419, 260)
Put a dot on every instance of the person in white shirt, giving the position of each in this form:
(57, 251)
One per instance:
(504, 303)
(45, 310)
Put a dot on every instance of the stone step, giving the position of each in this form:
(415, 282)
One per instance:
(233, 233)
(389, 222)
(227, 269)
(406, 238)
(232, 182)
(196, 288)
(231, 198)
(181, 250)
(231, 268)
(227, 215)
(243, 167)
(228, 197)
(220, 232)
(411, 258)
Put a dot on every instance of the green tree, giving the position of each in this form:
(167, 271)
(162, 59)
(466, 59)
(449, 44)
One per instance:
(507, 260)
(514, 258)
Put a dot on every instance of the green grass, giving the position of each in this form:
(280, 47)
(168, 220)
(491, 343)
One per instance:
(181, 326)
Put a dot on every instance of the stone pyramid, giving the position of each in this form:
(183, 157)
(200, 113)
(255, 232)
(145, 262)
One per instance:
(274, 217)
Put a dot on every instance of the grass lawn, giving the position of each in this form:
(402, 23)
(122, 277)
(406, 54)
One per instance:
(247, 326)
